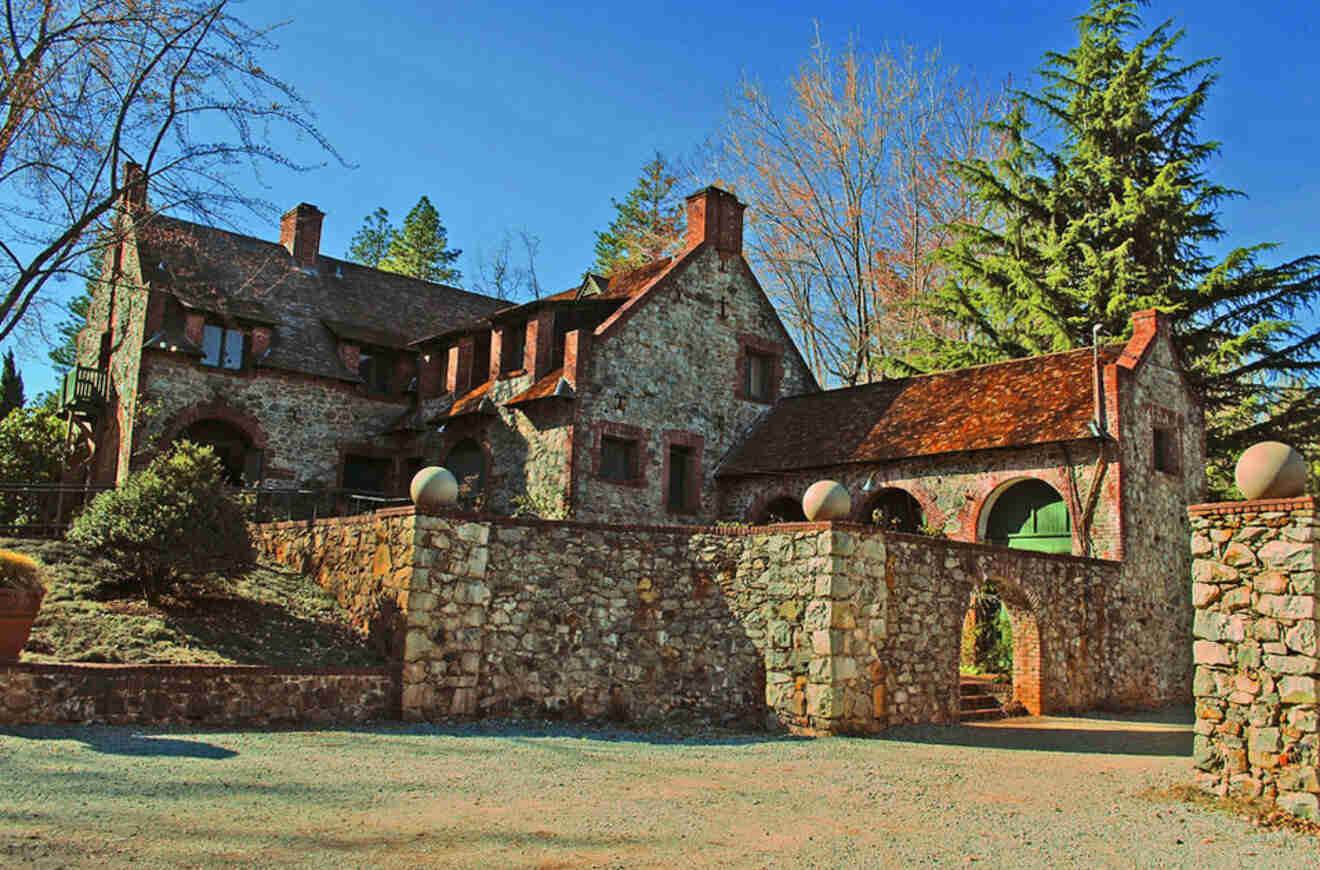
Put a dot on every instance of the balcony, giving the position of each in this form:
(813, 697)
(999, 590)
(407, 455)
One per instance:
(84, 391)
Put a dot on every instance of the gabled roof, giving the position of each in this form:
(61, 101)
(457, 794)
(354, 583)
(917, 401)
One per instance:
(1037, 400)
(247, 279)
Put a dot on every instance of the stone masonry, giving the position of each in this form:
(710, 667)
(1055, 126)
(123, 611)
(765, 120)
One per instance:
(1257, 650)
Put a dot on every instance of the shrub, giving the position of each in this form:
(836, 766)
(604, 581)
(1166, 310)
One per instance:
(21, 574)
(177, 518)
(31, 451)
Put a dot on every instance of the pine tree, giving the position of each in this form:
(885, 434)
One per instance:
(1114, 218)
(649, 223)
(371, 243)
(11, 386)
(418, 248)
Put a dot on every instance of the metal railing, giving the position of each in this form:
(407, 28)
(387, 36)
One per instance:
(45, 510)
(41, 510)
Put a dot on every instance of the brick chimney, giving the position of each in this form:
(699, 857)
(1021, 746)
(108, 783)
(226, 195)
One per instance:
(300, 233)
(715, 216)
(134, 196)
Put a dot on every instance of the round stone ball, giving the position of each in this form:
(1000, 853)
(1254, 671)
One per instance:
(1271, 469)
(433, 487)
(826, 500)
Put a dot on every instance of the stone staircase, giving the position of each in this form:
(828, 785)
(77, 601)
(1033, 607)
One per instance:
(976, 702)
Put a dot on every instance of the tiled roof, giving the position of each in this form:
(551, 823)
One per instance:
(469, 403)
(1036, 400)
(621, 285)
(542, 389)
(255, 280)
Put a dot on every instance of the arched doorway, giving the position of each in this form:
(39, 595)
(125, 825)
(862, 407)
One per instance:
(1000, 662)
(781, 509)
(467, 462)
(232, 446)
(893, 510)
(1030, 515)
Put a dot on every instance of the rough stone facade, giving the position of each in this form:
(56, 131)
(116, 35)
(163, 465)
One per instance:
(673, 369)
(825, 628)
(243, 695)
(1257, 650)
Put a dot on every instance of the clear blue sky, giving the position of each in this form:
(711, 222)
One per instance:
(532, 115)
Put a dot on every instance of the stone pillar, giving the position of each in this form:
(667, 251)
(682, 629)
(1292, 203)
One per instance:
(1257, 650)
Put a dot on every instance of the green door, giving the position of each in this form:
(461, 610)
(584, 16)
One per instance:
(1030, 515)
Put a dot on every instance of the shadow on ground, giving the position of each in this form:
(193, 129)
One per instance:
(1164, 732)
(124, 741)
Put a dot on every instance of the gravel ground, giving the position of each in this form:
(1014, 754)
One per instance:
(1038, 792)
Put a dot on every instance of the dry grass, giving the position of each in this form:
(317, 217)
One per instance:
(1263, 815)
(264, 616)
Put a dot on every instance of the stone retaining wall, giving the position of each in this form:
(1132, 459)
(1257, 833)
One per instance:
(243, 695)
(1257, 650)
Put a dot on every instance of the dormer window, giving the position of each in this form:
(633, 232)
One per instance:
(512, 347)
(222, 347)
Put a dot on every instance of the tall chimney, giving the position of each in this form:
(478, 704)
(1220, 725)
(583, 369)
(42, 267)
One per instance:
(300, 233)
(134, 194)
(715, 216)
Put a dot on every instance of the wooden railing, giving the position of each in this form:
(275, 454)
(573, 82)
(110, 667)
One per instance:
(85, 389)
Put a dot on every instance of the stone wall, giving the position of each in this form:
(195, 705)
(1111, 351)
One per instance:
(956, 491)
(1257, 650)
(366, 562)
(308, 422)
(42, 694)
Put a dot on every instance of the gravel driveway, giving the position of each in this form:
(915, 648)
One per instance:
(1038, 792)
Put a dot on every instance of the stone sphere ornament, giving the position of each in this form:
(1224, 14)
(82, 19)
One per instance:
(433, 487)
(826, 500)
(1271, 469)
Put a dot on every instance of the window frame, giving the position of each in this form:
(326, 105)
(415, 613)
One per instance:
(692, 446)
(752, 347)
(226, 332)
(620, 432)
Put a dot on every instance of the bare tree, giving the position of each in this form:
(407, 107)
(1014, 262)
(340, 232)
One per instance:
(848, 191)
(500, 276)
(174, 86)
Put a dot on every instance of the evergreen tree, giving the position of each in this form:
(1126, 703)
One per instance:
(371, 243)
(64, 356)
(11, 386)
(649, 223)
(1113, 217)
(418, 248)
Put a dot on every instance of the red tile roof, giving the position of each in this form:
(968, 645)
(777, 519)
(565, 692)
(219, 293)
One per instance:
(470, 402)
(622, 285)
(1036, 400)
(542, 389)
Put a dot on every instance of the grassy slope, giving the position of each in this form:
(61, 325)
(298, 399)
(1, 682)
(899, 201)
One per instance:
(267, 616)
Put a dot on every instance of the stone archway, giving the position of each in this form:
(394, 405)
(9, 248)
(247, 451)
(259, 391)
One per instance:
(893, 509)
(1023, 658)
(232, 446)
(777, 508)
(1027, 514)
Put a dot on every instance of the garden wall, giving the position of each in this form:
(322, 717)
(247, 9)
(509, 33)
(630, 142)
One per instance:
(241, 695)
(1257, 650)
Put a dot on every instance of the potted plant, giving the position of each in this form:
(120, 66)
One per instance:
(21, 591)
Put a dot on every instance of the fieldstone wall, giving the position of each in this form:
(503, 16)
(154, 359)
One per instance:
(1257, 650)
(43, 694)
(366, 562)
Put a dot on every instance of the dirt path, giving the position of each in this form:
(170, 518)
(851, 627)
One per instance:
(1042, 792)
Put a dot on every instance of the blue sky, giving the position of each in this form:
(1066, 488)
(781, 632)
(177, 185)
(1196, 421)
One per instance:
(528, 115)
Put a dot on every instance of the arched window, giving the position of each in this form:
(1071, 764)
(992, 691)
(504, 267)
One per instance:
(784, 509)
(467, 462)
(1030, 515)
(232, 447)
(893, 510)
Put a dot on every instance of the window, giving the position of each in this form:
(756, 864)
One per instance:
(1165, 449)
(480, 360)
(467, 462)
(376, 368)
(618, 459)
(680, 472)
(222, 347)
(757, 376)
(512, 347)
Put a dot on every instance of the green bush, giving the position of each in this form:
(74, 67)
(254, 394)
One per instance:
(31, 451)
(173, 520)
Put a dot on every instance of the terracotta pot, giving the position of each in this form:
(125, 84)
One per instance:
(18, 609)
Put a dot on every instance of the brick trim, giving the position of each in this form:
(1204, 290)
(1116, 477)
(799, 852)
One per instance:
(678, 438)
(245, 422)
(756, 344)
(627, 432)
(1299, 503)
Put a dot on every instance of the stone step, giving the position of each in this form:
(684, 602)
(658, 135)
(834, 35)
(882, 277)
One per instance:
(980, 702)
(975, 703)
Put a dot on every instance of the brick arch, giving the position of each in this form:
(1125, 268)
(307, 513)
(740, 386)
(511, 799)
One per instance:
(241, 420)
(930, 513)
(1025, 609)
(992, 486)
(762, 504)
(487, 454)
